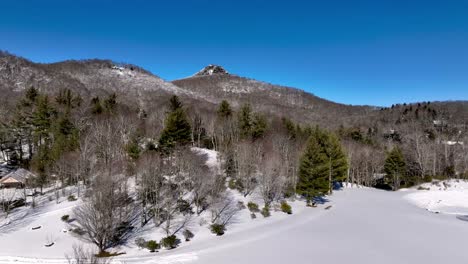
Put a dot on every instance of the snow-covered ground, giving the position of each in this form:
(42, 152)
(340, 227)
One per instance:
(363, 225)
(449, 197)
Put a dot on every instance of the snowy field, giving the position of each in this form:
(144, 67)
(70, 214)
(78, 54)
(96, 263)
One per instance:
(363, 226)
(449, 197)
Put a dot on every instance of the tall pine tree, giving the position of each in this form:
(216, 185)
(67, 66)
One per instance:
(224, 110)
(177, 130)
(245, 121)
(395, 167)
(322, 163)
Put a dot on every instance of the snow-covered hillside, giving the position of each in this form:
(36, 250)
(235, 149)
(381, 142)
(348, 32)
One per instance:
(362, 226)
(354, 225)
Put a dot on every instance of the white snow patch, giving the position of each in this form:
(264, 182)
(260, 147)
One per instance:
(449, 197)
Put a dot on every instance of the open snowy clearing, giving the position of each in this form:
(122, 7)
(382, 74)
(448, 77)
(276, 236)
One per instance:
(363, 226)
(448, 197)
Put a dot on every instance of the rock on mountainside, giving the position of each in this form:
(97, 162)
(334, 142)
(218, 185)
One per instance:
(211, 70)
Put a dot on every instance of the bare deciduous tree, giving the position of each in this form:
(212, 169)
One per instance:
(271, 177)
(107, 215)
(223, 210)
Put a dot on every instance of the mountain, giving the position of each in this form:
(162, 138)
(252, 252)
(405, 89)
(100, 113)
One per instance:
(215, 84)
(139, 88)
(88, 78)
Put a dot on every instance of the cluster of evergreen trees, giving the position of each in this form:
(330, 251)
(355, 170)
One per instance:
(43, 127)
(322, 164)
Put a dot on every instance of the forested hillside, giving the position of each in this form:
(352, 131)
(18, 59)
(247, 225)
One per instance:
(127, 141)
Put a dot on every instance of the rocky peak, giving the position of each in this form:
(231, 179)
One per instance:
(211, 70)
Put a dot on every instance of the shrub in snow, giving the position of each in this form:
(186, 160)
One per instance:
(253, 216)
(266, 211)
(285, 207)
(71, 198)
(78, 231)
(232, 184)
(253, 207)
(184, 207)
(120, 231)
(235, 185)
(140, 242)
(170, 242)
(65, 218)
(152, 245)
(218, 229)
(188, 235)
(427, 178)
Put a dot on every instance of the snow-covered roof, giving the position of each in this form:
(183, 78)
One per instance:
(19, 175)
(451, 143)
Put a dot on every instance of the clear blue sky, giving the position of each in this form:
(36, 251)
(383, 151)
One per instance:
(355, 52)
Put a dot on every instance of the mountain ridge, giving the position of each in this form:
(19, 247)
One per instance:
(141, 88)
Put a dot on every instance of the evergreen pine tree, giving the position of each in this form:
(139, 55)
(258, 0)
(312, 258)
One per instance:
(174, 103)
(337, 161)
(110, 103)
(66, 98)
(290, 128)
(96, 107)
(395, 167)
(177, 130)
(31, 94)
(245, 121)
(224, 110)
(65, 136)
(313, 177)
(259, 126)
(322, 163)
(42, 119)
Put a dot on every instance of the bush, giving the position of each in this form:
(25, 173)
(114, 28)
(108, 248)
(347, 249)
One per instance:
(188, 235)
(266, 211)
(427, 178)
(170, 242)
(78, 231)
(71, 198)
(235, 185)
(232, 184)
(140, 242)
(285, 207)
(152, 245)
(218, 229)
(123, 228)
(65, 218)
(184, 207)
(253, 207)
(253, 216)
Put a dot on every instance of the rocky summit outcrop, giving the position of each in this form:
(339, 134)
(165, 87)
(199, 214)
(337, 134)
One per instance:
(211, 70)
